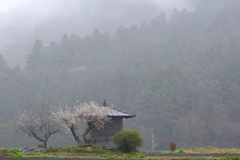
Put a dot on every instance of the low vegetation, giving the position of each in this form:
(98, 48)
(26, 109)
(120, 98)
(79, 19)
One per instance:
(206, 150)
(4, 153)
(212, 150)
(77, 150)
(179, 69)
(113, 153)
(128, 140)
(137, 155)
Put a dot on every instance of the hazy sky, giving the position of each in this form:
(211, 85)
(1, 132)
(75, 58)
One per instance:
(5, 5)
(23, 21)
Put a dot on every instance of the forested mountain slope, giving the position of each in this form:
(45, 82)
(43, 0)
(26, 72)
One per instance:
(180, 76)
(49, 20)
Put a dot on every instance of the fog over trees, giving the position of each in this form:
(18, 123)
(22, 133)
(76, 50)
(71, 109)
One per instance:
(48, 20)
(178, 71)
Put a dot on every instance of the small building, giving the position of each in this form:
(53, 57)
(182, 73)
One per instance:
(103, 138)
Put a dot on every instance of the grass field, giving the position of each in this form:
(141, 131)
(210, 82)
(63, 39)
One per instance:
(105, 153)
(212, 150)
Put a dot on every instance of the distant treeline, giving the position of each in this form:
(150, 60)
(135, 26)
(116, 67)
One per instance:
(180, 76)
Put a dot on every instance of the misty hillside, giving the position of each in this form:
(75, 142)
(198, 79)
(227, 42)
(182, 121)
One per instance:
(49, 20)
(178, 74)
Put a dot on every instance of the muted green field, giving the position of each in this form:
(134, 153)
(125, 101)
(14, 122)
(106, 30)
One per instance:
(105, 153)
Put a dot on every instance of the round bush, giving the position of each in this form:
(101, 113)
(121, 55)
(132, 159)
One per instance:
(128, 140)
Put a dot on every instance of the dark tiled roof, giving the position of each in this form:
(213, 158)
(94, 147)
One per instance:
(112, 112)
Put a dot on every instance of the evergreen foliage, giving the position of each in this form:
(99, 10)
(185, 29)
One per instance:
(2, 61)
(179, 75)
(128, 140)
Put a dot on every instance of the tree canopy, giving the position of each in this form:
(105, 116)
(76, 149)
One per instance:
(178, 74)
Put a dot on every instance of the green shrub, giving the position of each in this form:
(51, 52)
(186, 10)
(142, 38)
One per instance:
(138, 155)
(126, 156)
(230, 158)
(16, 155)
(108, 156)
(181, 151)
(128, 140)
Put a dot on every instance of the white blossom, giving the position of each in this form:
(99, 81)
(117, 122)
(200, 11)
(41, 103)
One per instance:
(37, 124)
(73, 119)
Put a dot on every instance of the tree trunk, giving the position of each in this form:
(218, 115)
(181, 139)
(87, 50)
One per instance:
(45, 144)
(76, 137)
(46, 139)
(42, 140)
(86, 132)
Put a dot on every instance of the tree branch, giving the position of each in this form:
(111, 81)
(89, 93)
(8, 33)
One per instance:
(84, 136)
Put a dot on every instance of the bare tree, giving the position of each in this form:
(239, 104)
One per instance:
(154, 144)
(37, 123)
(74, 119)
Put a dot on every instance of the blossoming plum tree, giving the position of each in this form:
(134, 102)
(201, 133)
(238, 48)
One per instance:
(37, 123)
(74, 119)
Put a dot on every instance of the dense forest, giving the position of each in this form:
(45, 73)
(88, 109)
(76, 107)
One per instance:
(180, 76)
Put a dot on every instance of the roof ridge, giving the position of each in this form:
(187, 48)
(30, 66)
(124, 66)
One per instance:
(123, 112)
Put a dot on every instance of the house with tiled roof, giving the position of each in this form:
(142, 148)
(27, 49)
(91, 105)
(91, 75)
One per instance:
(103, 138)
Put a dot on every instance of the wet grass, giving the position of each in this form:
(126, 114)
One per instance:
(4, 153)
(105, 153)
(212, 150)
